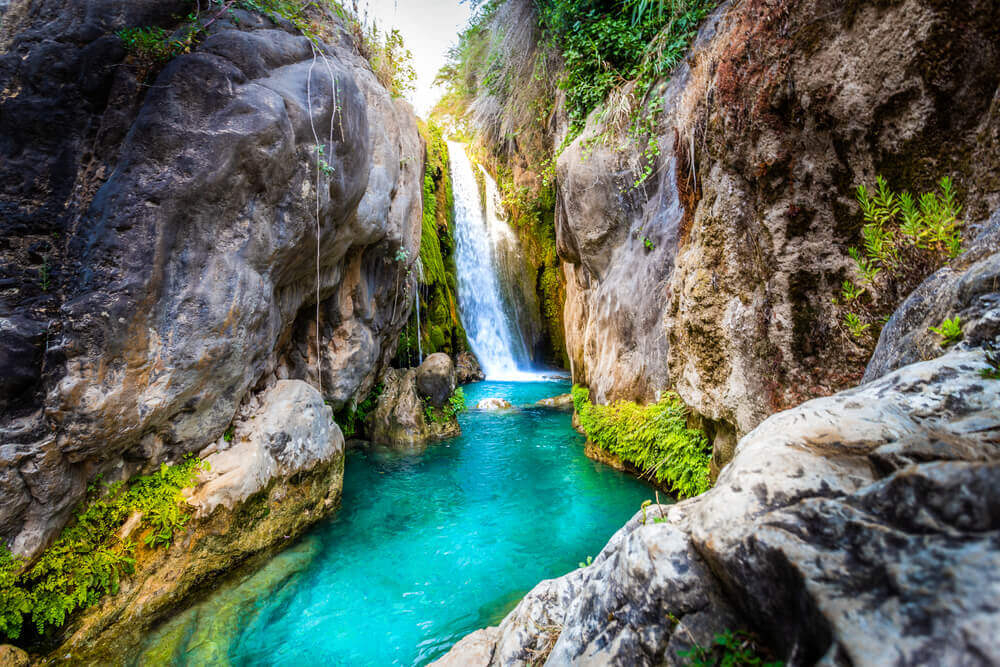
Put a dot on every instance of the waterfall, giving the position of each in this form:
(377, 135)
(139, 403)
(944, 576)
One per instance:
(496, 343)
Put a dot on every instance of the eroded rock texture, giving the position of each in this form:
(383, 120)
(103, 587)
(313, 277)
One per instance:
(158, 238)
(413, 409)
(779, 112)
(282, 472)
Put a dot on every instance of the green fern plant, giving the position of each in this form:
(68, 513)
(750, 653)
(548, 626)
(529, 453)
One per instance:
(655, 438)
(992, 370)
(855, 326)
(950, 331)
(728, 649)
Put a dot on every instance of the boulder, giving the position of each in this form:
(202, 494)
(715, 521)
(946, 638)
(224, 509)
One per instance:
(282, 471)
(494, 404)
(401, 420)
(854, 529)
(563, 403)
(12, 656)
(164, 237)
(467, 368)
(436, 379)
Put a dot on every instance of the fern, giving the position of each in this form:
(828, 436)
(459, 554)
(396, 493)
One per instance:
(950, 331)
(655, 438)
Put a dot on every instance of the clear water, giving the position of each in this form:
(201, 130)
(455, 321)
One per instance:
(497, 344)
(425, 548)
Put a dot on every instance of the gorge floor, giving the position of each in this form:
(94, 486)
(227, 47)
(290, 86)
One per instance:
(425, 549)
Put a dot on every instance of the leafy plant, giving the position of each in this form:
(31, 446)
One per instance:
(88, 559)
(728, 649)
(647, 243)
(903, 239)
(588, 563)
(950, 331)
(992, 370)
(352, 419)
(655, 438)
(229, 434)
(854, 324)
(456, 405)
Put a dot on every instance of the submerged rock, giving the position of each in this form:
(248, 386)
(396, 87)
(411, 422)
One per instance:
(494, 404)
(563, 403)
(282, 473)
(436, 379)
(467, 368)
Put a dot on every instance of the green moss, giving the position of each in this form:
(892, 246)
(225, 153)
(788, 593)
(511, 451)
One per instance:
(352, 420)
(655, 438)
(88, 559)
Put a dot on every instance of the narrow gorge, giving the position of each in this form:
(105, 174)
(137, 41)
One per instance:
(586, 332)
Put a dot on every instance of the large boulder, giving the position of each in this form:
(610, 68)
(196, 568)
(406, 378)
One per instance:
(168, 239)
(402, 420)
(281, 472)
(436, 379)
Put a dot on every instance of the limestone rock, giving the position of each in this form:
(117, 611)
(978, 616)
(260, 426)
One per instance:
(563, 403)
(750, 209)
(854, 528)
(176, 223)
(12, 656)
(283, 472)
(494, 404)
(467, 368)
(436, 379)
(400, 419)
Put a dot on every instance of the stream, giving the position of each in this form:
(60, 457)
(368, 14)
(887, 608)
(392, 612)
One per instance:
(425, 548)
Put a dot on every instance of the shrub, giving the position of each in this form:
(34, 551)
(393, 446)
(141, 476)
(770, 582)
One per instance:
(655, 438)
(903, 240)
(455, 406)
(88, 559)
(728, 649)
(352, 420)
(950, 331)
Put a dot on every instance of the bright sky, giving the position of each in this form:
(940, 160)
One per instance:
(429, 28)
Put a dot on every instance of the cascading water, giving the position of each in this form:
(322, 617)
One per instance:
(497, 344)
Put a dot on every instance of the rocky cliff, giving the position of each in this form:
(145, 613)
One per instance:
(171, 226)
(858, 528)
(779, 111)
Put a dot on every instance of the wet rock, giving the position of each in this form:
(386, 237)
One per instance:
(436, 379)
(282, 472)
(494, 404)
(563, 403)
(401, 418)
(467, 368)
(179, 222)
(853, 528)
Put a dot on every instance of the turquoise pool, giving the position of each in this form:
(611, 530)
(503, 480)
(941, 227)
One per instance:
(424, 550)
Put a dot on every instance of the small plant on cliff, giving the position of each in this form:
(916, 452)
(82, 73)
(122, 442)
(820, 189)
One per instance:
(655, 438)
(950, 331)
(728, 649)
(992, 370)
(456, 405)
(903, 239)
(88, 559)
(351, 420)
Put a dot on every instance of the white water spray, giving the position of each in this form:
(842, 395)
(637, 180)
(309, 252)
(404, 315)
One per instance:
(494, 341)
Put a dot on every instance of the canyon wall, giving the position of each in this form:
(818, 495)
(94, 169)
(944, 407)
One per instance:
(167, 228)
(779, 111)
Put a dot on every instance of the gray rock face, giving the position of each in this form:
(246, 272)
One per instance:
(562, 402)
(291, 431)
(467, 368)
(856, 527)
(400, 420)
(436, 378)
(177, 227)
(750, 208)
(968, 288)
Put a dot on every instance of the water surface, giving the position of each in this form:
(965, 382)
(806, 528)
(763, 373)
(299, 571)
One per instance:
(425, 549)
